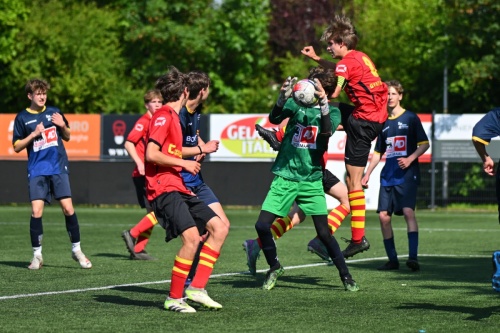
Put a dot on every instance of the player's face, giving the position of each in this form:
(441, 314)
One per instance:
(38, 98)
(335, 49)
(153, 105)
(394, 98)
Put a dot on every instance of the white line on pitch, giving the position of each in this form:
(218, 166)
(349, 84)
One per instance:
(71, 291)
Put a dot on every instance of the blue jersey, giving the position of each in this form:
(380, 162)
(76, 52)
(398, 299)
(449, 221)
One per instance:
(46, 153)
(488, 127)
(190, 124)
(400, 137)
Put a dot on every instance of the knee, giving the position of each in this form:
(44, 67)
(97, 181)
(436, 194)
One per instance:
(262, 227)
(218, 228)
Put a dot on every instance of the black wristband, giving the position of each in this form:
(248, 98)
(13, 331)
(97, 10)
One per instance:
(201, 151)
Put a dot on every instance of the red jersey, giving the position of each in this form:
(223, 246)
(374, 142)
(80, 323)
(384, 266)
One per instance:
(364, 87)
(138, 137)
(165, 131)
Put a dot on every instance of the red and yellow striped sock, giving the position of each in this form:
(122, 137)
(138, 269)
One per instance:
(358, 210)
(280, 226)
(142, 231)
(335, 217)
(179, 275)
(208, 257)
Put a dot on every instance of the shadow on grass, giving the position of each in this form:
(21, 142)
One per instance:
(126, 301)
(18, 264)
(474, 270)
(476, 314)
(112, 255)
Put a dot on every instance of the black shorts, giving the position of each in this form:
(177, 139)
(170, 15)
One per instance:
(140, 191)
(177, 212)
(329, 180)
(360, 134)
(394, 198)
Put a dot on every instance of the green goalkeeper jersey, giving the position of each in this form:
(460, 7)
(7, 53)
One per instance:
(302, 149)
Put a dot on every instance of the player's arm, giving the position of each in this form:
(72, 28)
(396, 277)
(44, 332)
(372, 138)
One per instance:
(309, 52)
(61, 122)
(405, 162)
(374, 161)
(488, 164)
(154, 155)
(20, 144)
(325, 120)
(203, 148)
(132, 152)
(341, 82)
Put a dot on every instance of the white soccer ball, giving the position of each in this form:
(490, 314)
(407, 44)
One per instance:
(303, 93)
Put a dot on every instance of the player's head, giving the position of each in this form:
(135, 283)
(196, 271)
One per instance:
(36, 89)
(341, 31)
(326, 77)
(172, 85)
(34, 85)
(396, 90)
(153, 100)
(199, 83)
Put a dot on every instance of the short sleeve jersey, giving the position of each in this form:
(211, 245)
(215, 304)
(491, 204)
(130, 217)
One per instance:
(302, 149)
(363, 86)
(46, 153)
(190, 123)
(488, 127)
(165, 131)
(138, 136)
(400, 137)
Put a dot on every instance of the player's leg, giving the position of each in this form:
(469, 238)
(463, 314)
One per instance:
(385, 210)
(210, 251)
(205, 194)
(335, 188)
(406, 199)
(138, 236)
(62, 192)
(39, 193)
(360, 134)
(279, 199)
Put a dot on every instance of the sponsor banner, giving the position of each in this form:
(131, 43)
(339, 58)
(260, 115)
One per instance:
(115, 129)
(85, 141)
(84, 144)
(240, 142)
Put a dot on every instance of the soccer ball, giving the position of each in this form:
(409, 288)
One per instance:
(303, 93)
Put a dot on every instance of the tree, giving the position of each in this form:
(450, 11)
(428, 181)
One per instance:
(79, 56)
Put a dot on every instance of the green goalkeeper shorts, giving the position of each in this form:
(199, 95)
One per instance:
(308, 195)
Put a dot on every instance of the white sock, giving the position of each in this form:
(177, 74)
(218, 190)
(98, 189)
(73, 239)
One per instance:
(37, 251)
(75, 247)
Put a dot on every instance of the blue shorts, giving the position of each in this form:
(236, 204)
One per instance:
(204, 193)
(44, 187)
(394, 198)
(140, 191)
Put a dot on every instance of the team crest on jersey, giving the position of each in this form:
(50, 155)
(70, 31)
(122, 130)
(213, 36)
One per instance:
(49, 117)
(305, 137)
(402, 125)
(160, 121)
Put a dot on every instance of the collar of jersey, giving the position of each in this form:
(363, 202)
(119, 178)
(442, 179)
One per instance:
(36, 112)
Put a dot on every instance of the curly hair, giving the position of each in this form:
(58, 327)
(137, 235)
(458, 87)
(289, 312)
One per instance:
(326, 77)
(34, 85)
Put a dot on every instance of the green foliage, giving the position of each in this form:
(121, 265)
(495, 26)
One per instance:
(10, 12)
(473, 180)
(79, 56)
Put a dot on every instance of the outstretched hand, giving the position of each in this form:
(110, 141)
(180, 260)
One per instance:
(286, 90)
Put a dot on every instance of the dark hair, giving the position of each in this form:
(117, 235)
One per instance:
(34, 85)
(172, 84)
(152, 94)
(326, 76)
(396, 85)
(197, 81)
(341, 30)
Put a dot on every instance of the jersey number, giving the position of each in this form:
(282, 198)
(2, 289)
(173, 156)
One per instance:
(370, 65)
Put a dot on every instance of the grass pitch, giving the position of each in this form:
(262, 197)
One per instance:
(451, 293)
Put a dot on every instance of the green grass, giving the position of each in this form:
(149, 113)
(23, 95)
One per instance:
(452, 292)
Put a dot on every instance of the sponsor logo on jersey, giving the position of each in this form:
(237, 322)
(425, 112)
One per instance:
(160, 121)
(341, 69)
(305, 137)
(139, 127)
(396, 146)
(49, 139)
(402, 125)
